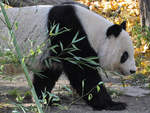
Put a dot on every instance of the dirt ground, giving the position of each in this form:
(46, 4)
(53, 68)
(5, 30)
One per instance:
(135, 104)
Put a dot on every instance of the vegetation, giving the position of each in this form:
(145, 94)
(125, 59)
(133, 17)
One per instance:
(114, 10)
(18, 58)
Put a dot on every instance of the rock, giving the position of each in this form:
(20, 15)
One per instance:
(11, 69)
(134, 91)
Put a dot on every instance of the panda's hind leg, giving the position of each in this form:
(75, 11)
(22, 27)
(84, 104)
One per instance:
(45, 80)
(99, 99)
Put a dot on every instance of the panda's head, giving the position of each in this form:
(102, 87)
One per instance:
(117, 52)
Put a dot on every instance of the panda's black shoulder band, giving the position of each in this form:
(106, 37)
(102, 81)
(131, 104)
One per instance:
(114, 30)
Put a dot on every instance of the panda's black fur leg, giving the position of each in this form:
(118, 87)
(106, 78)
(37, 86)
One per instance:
(46, 79)
(100, 100)
(65, 16)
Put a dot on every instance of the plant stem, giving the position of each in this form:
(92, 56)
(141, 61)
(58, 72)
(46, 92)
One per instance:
(21, 59)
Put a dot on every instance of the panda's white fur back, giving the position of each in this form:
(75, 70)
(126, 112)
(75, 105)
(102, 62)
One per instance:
(94, 25)
(32, 25)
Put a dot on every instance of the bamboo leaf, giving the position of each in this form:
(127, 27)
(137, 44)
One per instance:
(68, 89)
(75, 37)
(92, 58)
(83, 81)
(71, 54)
(75, 47)
(98, 88)
(90, 96)
(83, 85)
(53, 47)
(16, 25)
(79, 39)
(61, 46)
(56, 59)
(57, 29)
(73, 62)
(77, 58)
(52, 29)
(100, 83)
(47, 63)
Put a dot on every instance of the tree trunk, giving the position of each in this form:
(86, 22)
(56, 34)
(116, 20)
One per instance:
(19, 3)
(145, 12)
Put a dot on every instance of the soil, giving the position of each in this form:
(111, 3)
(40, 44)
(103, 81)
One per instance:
(135, 104)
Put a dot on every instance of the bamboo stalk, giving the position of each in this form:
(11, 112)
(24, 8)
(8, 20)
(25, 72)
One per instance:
(21, 59)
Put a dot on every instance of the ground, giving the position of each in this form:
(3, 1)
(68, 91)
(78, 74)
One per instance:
(135, 104)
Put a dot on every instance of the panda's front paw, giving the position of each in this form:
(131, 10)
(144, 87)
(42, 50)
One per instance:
(116, 106)
(112, 106)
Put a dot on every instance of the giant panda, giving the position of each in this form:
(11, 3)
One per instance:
(103, 39)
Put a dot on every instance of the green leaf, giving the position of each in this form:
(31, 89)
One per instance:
(39, 51)
(87, 65)
(100, 83)
(68, 89)
(23, 59)
(73, 62)
(90, 61)
(92, 58)
(52, 29)
(77, 58)
(75, 37)
(83, 85)
(15, 111)
(1, 67)
(16, 25)
(83, 81)
(90, 96)
(39, 74)
(71, 54)
(56, 59)
(57, 28)
(61, 46)
(98, 88)
(79, 39)
(63, 30)
(32, 52)
(53, 47)
(75, 47)
(47, 64)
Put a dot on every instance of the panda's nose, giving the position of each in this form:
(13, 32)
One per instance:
(132, 71)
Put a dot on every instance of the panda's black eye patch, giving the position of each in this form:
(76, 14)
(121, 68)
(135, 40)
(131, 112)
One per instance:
(124, 57)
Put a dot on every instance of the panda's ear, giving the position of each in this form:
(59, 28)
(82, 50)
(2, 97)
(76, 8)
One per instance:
(123, 25)
(114, 30)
